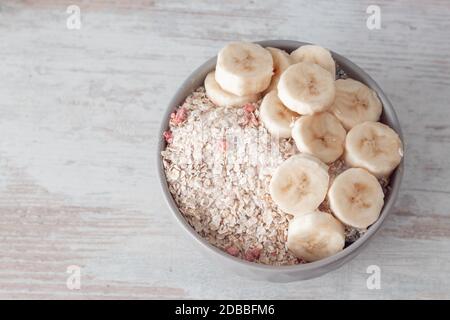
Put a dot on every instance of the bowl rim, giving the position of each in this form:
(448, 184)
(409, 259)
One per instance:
(395, 180)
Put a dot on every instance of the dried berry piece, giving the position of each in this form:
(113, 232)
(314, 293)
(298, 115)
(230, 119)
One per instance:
(179, 116)
(232, 251)
(168, 136)
(252, 254)
(249, 107)
(249, 116)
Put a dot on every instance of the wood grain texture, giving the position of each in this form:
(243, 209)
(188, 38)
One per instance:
(79, 114)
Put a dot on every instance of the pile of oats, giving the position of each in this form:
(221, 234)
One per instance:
(218, 163)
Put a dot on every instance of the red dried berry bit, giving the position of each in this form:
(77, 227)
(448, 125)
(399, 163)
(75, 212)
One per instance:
(179, 116)
(232, 251)
(249, 116)
(168, 136)
(252, 254)
(249, 107)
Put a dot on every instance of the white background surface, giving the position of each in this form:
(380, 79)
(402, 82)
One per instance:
(79, 114)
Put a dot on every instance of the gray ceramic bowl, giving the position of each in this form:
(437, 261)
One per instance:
(280, 273)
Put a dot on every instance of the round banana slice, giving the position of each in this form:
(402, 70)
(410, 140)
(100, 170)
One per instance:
(321, 135)
(315, 235)
(355, 103)
(281, 61)
(306, 88)
(317, 55)
(356, 198)
(299, 184)
(275, 116)
(375, 147)
(222, 98)
(244, 68)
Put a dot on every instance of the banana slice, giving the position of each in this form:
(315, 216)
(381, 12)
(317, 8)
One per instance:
(356, 198)
(306, 88)
(317, 55)
(355, 103)
(275, 116)
(315, 235)
(299, 184)
(281, 61)
(375, 147)
(222, 98)
(321, 135)
(244, 68)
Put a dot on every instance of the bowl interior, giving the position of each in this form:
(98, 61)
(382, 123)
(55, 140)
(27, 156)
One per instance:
(388, 117)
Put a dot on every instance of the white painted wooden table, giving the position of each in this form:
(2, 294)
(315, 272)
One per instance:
(79, 114)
